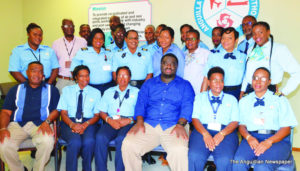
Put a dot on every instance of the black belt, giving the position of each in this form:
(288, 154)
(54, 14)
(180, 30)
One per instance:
(136, 82)
(231, 88)
(264, 131)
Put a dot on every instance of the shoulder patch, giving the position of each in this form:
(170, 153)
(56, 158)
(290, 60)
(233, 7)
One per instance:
(279, 94)
(242, 52)
(83, 49)
(120, 50)
(123, 55)
(108, 50)
(144, 49)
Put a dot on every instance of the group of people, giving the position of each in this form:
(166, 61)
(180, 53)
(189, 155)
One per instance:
(108, 88)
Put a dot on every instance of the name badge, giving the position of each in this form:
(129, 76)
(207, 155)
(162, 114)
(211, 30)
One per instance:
(259, 121)
(68, 64)
(214, 126)
(106, 67)
(116, 117)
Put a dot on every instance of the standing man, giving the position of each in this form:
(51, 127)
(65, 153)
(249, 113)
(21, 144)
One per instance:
(114, 21)
(195, 60)
(33, 51)
(247, 44)
(65, 49)
(85, 31)
(163, 109)
(151, 44)
(28, 111)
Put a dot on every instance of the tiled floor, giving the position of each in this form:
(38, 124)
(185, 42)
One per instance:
(25, 157)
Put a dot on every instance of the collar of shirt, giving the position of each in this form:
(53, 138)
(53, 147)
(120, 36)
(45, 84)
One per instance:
(170, 50)
(250, 41)
(117, 88)
(26, 45)
(67, 42)
(265, 96)
(92, 50)
(85, 89)
(158, 80)
(28, 86)
(211, 95)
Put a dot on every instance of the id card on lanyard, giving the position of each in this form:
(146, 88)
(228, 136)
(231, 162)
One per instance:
(68, 62)
(214, 125)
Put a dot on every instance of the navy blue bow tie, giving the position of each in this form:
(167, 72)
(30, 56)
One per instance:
(216, 100)
(259, 102)
(229, 55)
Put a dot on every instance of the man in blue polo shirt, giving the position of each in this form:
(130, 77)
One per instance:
(163, 109)
(28, 111)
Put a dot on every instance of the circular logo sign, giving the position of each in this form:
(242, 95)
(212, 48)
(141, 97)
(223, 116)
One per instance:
(223, 13)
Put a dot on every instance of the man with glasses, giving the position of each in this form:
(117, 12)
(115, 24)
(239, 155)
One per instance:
(247, 44)
(137, 59)
(65, 49)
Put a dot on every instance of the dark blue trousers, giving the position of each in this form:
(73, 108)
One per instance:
(104, 135)
(223, 153)
(103, 87)
(76, 143)
(245, 156)
(235, 93)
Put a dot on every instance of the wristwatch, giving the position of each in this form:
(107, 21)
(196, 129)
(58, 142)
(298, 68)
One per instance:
(181, 123)
(48, 121)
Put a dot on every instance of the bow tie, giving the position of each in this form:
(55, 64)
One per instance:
(216, 100)
(229, 55)
(259, 102)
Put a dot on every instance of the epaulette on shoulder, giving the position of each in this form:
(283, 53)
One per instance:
(279, 94)
(144, 49)
(120, 50)
(83, 49)
(108, 50)
(242, 52)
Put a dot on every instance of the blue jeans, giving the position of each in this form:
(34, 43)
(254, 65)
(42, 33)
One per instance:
(245, 155)
(223, 153)
(77, 142)
(104, 135)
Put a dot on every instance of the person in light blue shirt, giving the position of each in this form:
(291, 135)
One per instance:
(31, 51)
(117, 110)
(97, 59)
(266, 120)
(119, 42)
(274, 56)
(114, 21)
(215, 118)
(184, 29)
(151, 43)
(138, 60)
(230, 60)
(247, 44)
(216, 37)
(79, 105)
(166, 39)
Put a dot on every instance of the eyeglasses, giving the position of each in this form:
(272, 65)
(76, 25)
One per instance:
(191, 39)
(68, 26)
(133, 38)
(263, 79)
(247, 24)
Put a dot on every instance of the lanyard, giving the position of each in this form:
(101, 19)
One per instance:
(38, 59)
(121, 101)
(69, 53)
(215, 111)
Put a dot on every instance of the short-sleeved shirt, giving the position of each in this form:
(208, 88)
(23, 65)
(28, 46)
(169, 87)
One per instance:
(32, 105)
(281, 61)
(139, 63)
(90, 103)
(233, 68)
(228, 110)
(63, 48)
(194, 66)
(100, 65)
(275, 113)
(165, 103)
(23, 55)
(174, 49)
(152, 48)
(121, 105)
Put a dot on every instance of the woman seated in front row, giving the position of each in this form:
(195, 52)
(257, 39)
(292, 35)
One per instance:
(79, 106)
(215, 118)
(265, 124)
(117, 109)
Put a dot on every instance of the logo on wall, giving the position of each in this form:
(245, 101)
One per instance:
(223, 13)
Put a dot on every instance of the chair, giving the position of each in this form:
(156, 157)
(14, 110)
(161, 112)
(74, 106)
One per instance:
(59, 143)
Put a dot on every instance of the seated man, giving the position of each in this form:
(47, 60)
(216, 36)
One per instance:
(164, 106)
(28, 111)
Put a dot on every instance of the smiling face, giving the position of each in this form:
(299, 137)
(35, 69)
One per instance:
(68, 28)
(98, 41)
(168, 67)
(35, 37)
(123, 78)
(149, 34)
(85, 31)
(228, 41)
(132, 40)
(216, 37)
(191, 41)
(260, 34)
(260, 82)
(83, 78)
(35, 74)
(165, 39)
(216, 83)
(113, 22)
(247, 25)
(119, 36)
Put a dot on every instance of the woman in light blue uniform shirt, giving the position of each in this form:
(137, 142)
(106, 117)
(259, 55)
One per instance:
(80, 107)
(117, 110)
(97, 59)
(266, 120)
(274, 56)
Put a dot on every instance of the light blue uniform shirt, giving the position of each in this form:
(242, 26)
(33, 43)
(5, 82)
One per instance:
(214, 50)
(101, 69)
(201, 45)
(110, 105)
(276, 112)
(233, 68)
(139, 63)
(227, 112)
(281, 61)
(90, 103)
(242, 45)
(152, 48)
(22, 55)
(114, 48)
(174, 49)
